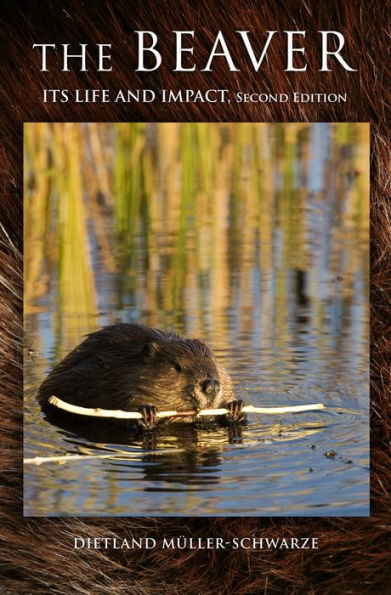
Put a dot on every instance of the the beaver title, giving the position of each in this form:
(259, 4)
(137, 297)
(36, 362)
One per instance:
(130, 366)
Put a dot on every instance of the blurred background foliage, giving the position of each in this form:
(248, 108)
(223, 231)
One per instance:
(183, 221)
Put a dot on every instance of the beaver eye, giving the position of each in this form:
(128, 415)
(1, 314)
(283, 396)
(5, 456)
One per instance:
(177, 366)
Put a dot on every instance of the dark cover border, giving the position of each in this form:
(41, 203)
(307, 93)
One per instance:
(37, 555)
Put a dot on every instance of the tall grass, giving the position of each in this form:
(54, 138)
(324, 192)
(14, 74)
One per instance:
(182, 215)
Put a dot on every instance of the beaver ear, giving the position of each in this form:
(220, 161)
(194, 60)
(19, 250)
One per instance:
(150, 350)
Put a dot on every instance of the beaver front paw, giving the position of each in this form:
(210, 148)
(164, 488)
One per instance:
(235, 411)
(149, 419)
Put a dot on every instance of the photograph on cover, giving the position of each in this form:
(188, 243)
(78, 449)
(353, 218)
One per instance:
(196, 319)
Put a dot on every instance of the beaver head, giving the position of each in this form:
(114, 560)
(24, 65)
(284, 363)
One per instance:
(179, 372)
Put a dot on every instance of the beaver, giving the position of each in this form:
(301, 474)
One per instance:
(133, 367)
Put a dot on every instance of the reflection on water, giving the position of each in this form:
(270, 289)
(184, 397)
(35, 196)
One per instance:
(252, 237)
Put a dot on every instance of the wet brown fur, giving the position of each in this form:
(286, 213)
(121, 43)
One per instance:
(125, 366)
(37, 555)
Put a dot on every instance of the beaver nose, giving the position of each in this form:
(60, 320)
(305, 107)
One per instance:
(210, 387)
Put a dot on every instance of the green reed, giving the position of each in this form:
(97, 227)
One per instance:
(181, 214)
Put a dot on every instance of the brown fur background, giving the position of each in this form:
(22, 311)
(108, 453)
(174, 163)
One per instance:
(37, 555)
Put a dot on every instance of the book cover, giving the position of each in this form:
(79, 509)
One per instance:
(207, 171)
